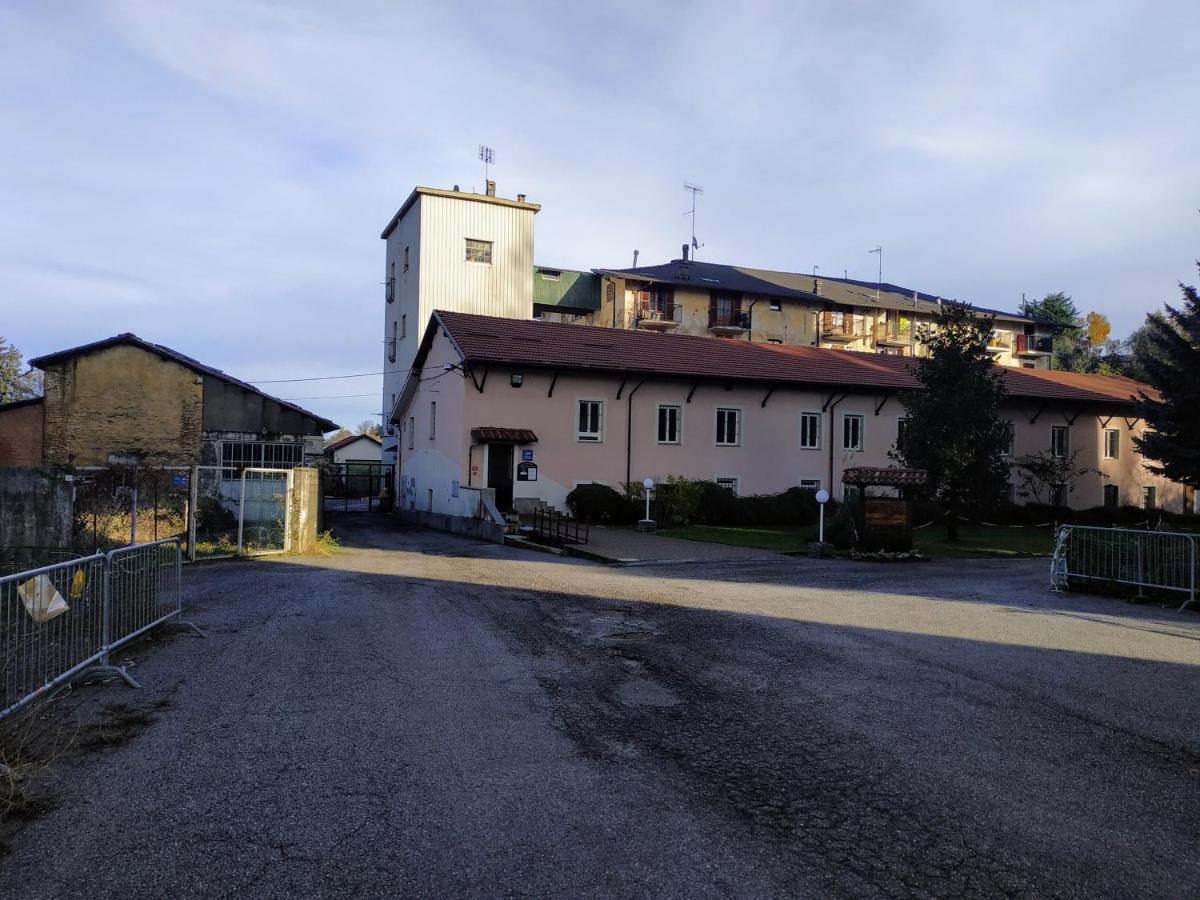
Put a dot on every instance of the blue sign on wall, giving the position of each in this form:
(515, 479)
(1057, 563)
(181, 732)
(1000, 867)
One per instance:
(181, 480)
(526, 456)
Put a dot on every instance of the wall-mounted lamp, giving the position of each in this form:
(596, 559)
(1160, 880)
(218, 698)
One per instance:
(516, 379)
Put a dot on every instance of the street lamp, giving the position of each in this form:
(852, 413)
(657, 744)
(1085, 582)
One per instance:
(647, 524)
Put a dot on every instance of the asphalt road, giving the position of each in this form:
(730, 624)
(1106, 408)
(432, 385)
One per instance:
(424, 716)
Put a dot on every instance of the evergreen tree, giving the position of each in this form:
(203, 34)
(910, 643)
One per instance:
(1170, 358)
(954, 430)
(1070, 342)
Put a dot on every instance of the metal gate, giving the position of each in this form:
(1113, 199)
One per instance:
(356, 487)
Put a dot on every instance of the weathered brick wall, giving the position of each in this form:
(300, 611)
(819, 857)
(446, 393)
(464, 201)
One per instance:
(122, 405)
(21, 435)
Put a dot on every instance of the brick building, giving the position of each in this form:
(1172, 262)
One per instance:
(127, 401)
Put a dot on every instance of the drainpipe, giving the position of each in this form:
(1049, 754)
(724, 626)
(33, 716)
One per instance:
(470, 450)
(833, 406)
(629, 431)
(750, 318)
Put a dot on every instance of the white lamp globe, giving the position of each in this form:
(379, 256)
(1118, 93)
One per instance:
(822, 496)
(648, 483)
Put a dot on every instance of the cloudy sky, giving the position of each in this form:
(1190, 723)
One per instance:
(214, 176)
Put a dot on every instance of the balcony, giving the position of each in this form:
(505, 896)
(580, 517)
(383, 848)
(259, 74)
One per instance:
(842, 328)
(728, 321)
(389, 290)
(659, 316)
(1000, 342)
(893, 334)
(1034, 345)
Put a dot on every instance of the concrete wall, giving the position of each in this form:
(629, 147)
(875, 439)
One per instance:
(304, 504)
(35, 508)
(122, 404)
(21, 434)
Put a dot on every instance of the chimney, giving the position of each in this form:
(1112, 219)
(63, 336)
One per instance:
(456, 189)
(491, 188)
(520, 198)
(685, 253)
(816, 287)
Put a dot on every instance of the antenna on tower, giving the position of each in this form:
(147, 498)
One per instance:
(879, 284)
(488, 157)
(694, 189)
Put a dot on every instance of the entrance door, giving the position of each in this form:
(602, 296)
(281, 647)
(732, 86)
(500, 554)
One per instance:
(500, 474)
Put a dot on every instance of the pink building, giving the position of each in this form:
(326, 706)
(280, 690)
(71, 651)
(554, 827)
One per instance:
(505, 412)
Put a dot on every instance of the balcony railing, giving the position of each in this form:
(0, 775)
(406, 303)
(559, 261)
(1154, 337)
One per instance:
(660, 315)
(1033, 345)
(1000, 342)
(842, 327)
(389, 290)
(728, 318)
(893, 333)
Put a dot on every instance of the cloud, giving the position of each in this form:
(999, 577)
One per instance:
(216, 174)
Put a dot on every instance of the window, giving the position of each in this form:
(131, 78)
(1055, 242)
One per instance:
(479, 251)
(432, 419)
(852, 431)
(1112, 444)
(412, 431)
(550, 274)
(810, 431)
(728, 483)
(404, 325)
(391, 345)
(1149, 498)
(1112, 496)
(810, 484)
(261, 455)
(1060, 441)
(729, 430)
(668, 424)
(775, 306)
(406, 259)
(774, 341)
(591, 420)
(901, 430)
(1010, 440)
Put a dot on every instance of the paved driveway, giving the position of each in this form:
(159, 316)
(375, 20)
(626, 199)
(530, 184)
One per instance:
(420, 715)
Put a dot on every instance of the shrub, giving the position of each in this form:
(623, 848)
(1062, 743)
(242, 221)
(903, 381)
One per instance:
(600, 504)
(795, 506)
(212, 517)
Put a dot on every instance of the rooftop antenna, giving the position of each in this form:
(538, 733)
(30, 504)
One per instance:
(846, 274)
(815, 269)
(879, 284)
(695, 189)
(488, 157)
(635, 256)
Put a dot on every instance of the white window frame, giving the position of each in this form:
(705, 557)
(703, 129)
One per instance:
(735, 488)
(809, 484)
(737, 411)
(862, 429)
(819, 419)
(1116, 450)
(590, 437)
(1149, 492)
(658, 411)
(480, 241)
(1065, 431)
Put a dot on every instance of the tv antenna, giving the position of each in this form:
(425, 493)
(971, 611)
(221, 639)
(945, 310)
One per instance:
(694, 189)
(488, 157)
(879, 284)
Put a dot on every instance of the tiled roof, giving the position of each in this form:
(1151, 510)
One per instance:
(486, 434)
(885, 475)
(485, 339)
(350, 439)
(174, 355)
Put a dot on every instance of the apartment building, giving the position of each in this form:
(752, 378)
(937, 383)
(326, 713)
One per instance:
(527, 410)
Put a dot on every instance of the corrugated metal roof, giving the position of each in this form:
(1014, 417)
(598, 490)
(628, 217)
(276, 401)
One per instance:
(565, 288)
(483, 339)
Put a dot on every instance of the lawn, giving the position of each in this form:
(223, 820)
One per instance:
(973, 540)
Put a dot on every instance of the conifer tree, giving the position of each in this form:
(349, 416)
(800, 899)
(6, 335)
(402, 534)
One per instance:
(1169, 356)
(953, 428)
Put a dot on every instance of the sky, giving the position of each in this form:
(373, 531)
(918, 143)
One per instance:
(214, 176)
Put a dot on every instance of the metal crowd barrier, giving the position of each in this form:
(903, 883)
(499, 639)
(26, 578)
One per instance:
(1161, 560)
(61, 622)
